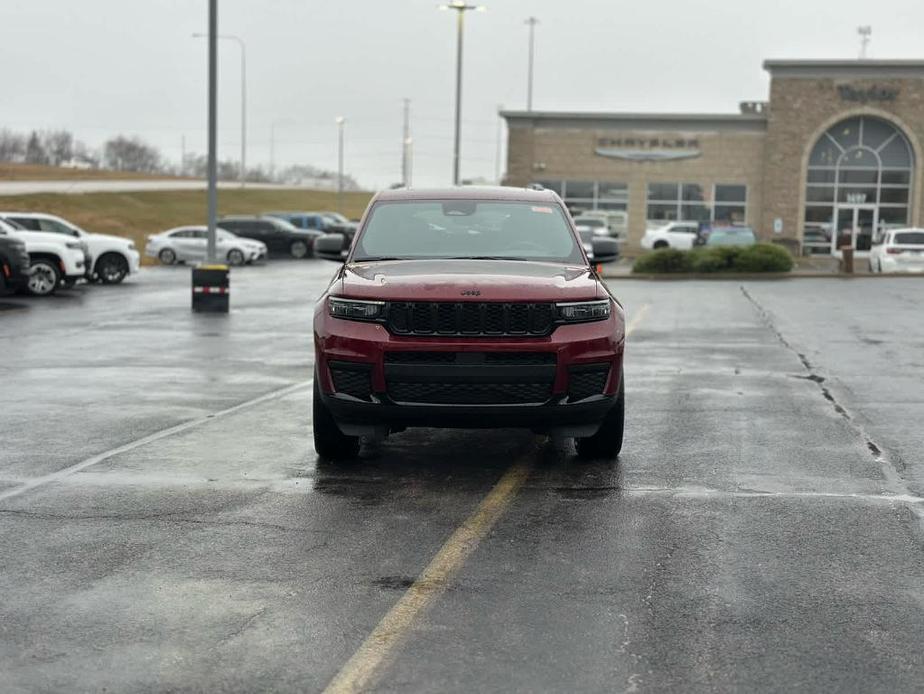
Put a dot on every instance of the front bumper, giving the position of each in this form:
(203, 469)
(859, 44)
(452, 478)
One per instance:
(134, 261)
(913, 264)
(545, 396)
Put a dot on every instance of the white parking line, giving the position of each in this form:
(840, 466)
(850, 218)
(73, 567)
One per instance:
(151, 438)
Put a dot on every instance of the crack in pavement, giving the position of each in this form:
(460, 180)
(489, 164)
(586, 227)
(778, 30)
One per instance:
(891, 468)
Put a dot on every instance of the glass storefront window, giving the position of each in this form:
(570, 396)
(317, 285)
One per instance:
(686, 202)
(859, 170)
(731, 193)
(579, 189)
(580, 196)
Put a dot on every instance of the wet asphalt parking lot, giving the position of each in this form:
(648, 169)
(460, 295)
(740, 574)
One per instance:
(165, 524)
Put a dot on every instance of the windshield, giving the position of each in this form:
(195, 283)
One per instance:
(467, 229)
(914, 238)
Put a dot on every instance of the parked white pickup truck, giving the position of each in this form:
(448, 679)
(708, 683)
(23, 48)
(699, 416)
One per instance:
(112, 258)
(53, 260)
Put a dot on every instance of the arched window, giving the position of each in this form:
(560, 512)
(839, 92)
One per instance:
(862, 163)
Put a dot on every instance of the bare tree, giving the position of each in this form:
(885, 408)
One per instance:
(58, 145)
(131, 154)
(35, 152)
(12, 146)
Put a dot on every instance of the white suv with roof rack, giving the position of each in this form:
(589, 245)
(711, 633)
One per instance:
(53, 260)
(112, 258)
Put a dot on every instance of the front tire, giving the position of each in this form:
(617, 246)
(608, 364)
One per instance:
(329, 442)
(111, 268)
(235, 257)
(298, 249)
(44, 278)
(607, 442)
(167, 256)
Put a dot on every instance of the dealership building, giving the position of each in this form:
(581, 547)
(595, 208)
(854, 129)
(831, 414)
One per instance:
(830, 159)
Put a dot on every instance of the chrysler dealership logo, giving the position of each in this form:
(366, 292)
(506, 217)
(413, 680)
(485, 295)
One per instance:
(648, 148)
(470, 292)
(865, 95)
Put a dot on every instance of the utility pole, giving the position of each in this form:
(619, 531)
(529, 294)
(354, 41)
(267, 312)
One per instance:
(531, 22)
(865, 33)
(461, 8)
(497, 151)
(405, 154)
(182, 155)
(340, 123)
(213, 128)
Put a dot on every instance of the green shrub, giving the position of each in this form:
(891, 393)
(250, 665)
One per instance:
(764, 257)
(663, 260)
(705, 261)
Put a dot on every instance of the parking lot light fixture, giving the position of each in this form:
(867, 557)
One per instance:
(461, 7)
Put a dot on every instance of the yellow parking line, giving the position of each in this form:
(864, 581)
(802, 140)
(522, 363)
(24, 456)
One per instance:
(358, 672)
(356, 675)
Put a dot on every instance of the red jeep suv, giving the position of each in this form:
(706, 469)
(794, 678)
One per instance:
(467, 307)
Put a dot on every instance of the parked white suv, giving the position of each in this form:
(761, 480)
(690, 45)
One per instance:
(112, 258)
(679, 235)
(53, 260)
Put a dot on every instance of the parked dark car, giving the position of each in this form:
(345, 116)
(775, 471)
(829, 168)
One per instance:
(281, 237)
(14, 264)
(327, 222)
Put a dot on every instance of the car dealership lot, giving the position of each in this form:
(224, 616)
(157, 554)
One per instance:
(166, 525)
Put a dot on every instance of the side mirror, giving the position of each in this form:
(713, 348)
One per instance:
(330, 247)
(605, 250)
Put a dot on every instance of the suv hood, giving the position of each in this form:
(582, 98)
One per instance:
(456, 280)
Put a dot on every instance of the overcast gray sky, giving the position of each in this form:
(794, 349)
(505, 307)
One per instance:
(101, 67)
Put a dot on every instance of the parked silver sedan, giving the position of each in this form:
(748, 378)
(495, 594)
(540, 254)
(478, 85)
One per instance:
(190, 244)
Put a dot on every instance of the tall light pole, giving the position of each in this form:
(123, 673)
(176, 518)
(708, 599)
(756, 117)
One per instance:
(865, 33)
(461, 8)
(212, 167)
(340, 123)
(405, 141)
(240, 42)
(531, 22)
(272, 152)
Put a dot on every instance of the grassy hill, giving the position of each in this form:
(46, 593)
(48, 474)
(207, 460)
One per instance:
(37, 172)
(135, 215)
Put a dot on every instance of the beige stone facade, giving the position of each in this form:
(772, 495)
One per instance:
(765, 147)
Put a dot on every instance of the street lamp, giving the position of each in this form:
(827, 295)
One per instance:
(240, 42)
(461, 8)
(532, 22)
(280, 121)
(340, 123)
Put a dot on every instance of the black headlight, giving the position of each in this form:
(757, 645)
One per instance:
(583, 311)
(356, 309)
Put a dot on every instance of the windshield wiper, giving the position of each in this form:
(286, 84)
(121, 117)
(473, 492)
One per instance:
(378, 258)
